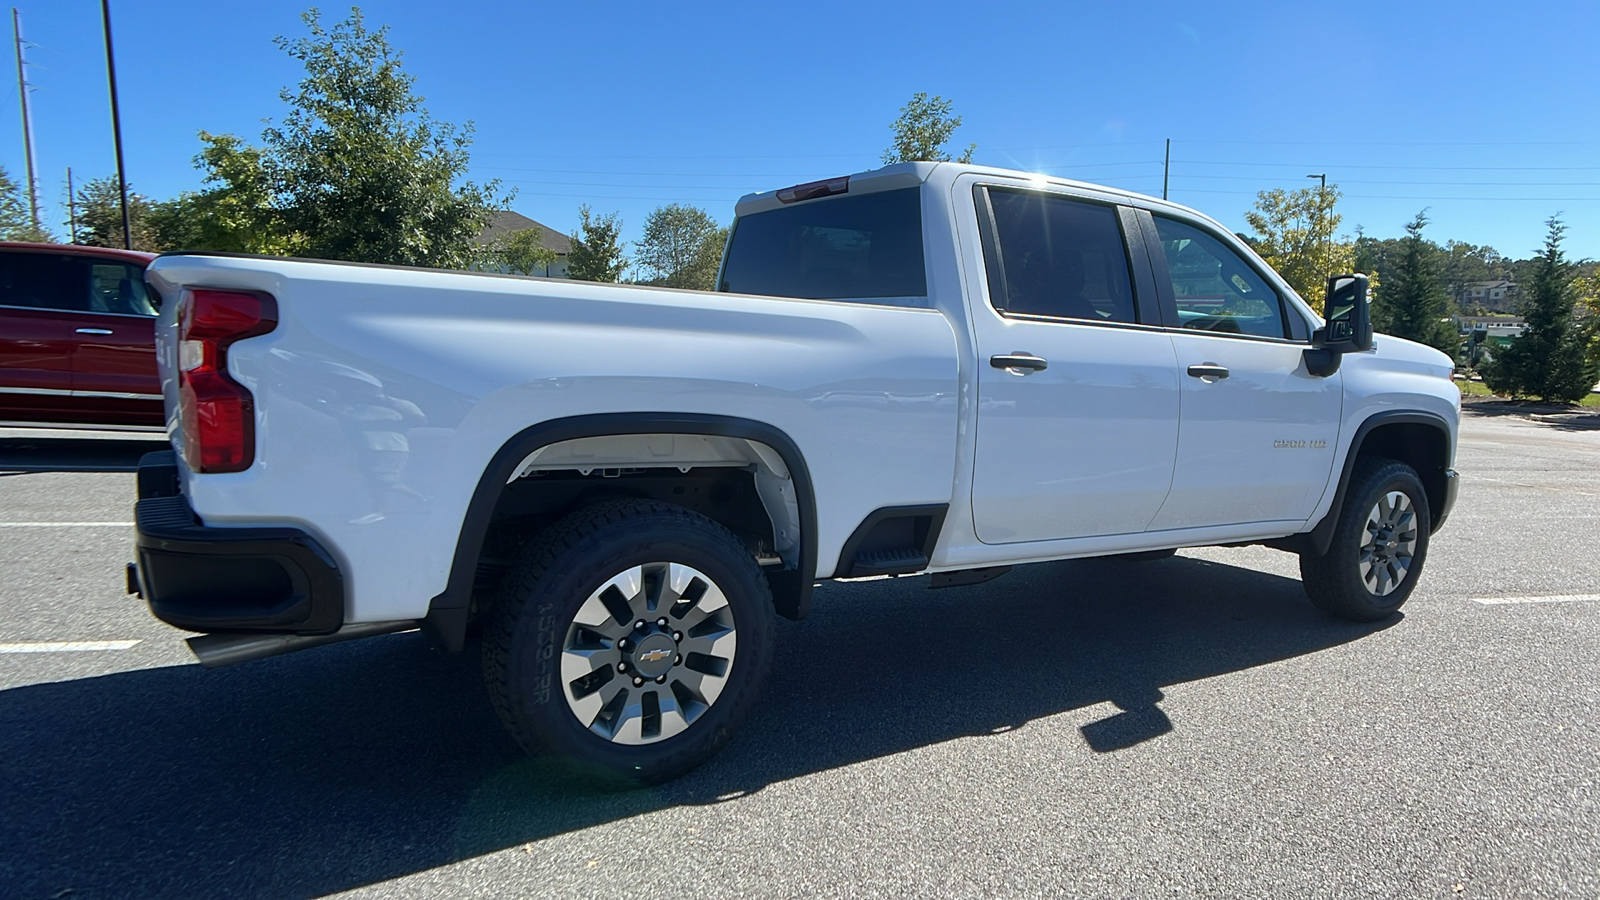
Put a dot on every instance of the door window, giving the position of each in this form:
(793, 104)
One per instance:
(43, 281)
(1058, 257)
(119, 288)
(1215, 289)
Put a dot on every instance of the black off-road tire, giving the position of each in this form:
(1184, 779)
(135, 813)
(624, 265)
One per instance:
(1334, 580)
(528, 629)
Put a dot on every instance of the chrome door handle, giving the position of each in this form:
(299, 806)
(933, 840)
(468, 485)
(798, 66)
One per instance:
(1208, 372)
(94, 331)
(1020, 361)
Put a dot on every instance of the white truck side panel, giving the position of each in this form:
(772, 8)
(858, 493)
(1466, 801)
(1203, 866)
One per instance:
(383, 393)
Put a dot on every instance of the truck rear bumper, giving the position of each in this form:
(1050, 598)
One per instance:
(274, 579)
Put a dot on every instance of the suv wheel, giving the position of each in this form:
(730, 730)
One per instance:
(630, 641)
(1378, 546)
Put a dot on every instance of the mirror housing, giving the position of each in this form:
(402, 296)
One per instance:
(1347, 328)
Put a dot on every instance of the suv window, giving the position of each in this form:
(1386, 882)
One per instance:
(1058, 257)
(866, 246)
(118, 288)
(1215, 289)
(43, 281)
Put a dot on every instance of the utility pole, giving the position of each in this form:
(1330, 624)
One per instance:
(27, 120)
(1322, 197)
(1166, 169)
(116, 125)
(72, 207)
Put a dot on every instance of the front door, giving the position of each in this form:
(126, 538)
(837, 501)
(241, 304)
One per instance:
(1259, 431)
(114, 373)
(1077, 391)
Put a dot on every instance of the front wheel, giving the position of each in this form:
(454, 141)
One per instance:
(1379, 544)
(630, 642)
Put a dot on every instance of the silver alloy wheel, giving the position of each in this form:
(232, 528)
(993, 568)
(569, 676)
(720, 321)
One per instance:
(648, 653)
(1390, 544)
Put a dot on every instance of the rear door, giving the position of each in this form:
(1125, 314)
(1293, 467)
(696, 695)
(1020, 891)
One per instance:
(1077, 386)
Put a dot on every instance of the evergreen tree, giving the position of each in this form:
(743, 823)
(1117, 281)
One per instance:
(1550, 360)
(596, 253)
(100, 215)
(1413, 303)
(16, 220)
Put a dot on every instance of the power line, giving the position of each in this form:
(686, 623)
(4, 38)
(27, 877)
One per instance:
(1200, 162)
(1446, 183)
(1395, 197)
(1400, 143)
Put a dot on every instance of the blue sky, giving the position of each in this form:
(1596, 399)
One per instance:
(1488, 114)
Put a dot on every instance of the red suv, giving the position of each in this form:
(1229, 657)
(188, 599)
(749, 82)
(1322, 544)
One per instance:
(77, 337)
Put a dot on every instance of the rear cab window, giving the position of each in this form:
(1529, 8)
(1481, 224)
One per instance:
(851, 247)
(1058, 258)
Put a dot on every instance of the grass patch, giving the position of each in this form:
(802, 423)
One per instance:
(1477, 389)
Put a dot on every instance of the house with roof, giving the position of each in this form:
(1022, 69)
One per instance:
(1495, 296)
(503, 223)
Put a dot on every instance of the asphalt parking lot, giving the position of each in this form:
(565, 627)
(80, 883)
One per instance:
(1189, 727)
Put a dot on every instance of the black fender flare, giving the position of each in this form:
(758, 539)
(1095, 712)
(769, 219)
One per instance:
(446, 621)
(1320, 537)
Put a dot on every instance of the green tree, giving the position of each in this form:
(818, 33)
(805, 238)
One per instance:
(1294, 233)
(1413, 303)
(1551, 359)
(99, 205)
(596, 253)
(681, 247)
(357, 170)
(522, 253)
(236, 212)
(16, 219)
(924, 127)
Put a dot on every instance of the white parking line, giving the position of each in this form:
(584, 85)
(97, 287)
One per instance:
(1554, 598)
(64, 646)
(66, 524)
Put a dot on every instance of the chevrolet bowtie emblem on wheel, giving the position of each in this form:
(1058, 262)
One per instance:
(654, 655)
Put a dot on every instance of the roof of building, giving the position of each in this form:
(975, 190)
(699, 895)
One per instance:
(505, 222)
(1490, 284)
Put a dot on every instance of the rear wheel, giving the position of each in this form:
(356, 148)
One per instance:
(1378, 547)
(630, 642)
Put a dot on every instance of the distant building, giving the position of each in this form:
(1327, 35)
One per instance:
(505, 222)
(1494, 296)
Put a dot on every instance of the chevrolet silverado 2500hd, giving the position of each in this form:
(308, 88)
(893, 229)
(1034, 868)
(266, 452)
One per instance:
(934, 368)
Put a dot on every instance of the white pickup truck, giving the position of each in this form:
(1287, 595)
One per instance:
(934, 368)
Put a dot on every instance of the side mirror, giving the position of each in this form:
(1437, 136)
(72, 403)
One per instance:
(1348, 327)
(1349, 318)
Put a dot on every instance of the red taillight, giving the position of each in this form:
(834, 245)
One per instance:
(218, 414)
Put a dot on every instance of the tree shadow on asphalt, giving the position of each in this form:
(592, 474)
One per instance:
(359, 763)
(1560, 418)
(28, 454)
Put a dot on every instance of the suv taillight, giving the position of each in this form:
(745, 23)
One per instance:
(217, 413)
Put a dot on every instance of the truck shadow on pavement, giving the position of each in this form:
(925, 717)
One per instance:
(360, 763)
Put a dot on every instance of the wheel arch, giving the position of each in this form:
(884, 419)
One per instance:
(448, 613)
(1419, 439)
